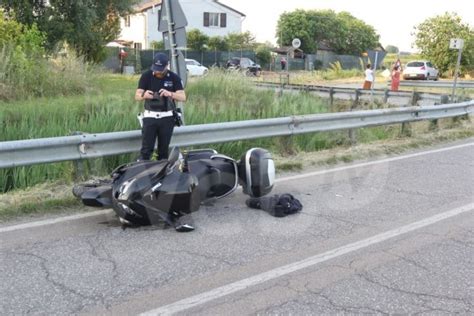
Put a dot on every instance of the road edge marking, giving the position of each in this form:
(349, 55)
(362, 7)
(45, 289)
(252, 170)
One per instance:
(246, 283)
(53, 221)
(311, 174)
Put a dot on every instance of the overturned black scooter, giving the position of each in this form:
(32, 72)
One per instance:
(149, 192)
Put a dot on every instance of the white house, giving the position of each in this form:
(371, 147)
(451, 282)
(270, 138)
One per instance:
(211, 17)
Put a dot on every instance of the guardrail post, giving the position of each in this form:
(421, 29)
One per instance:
(434, 123)
(284, 78)
(457, 119)
(444, 99)
(465, 116)
(406, 127)
(331, 96)
(385, 96)
(354, 105)
(78, 165)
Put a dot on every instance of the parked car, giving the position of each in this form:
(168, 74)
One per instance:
(194, 68)
(244, 64)
(420, 70)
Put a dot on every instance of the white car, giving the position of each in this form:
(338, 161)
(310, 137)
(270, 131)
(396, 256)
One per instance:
(420, 70)
(195, 68)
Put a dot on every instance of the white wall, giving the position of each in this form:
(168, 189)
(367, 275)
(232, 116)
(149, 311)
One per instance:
(152, 29)
(194, 12)
(144, 26)
(136, 31)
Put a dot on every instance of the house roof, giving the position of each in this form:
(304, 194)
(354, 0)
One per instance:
(227, 7)
(323, 45)
(286, 49)
(145, 5)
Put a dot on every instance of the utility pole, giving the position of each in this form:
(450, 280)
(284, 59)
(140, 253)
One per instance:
(172, 23)
(375, 69)
(174, 63)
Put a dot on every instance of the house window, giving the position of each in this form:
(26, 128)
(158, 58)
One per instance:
(127, 21)
(215, 19)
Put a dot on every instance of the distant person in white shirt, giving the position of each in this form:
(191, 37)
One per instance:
(369, 77)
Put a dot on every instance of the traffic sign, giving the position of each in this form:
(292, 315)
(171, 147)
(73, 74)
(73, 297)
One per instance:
(180, 38)
(376, 57)
(177, 16)
(296, 43)
(456, 43)
(182, 71)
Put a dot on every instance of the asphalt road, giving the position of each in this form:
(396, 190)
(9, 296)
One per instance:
(388, 236)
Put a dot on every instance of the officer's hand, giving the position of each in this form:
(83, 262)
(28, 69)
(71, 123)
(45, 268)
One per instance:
(148, 95)
(165, 93)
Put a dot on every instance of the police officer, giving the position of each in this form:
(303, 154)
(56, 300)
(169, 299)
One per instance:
(158, 87)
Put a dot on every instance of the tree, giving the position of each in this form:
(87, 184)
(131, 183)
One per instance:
(26, 40)
(157, 45)
(344, 33)
(197, 40)
(356, 36)
(217, 43)
(240, 41)
(296, 24)
(391, 49)
(86, 25)
(263, 54)
(433, 36)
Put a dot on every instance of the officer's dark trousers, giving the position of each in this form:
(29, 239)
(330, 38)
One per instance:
(156, 128)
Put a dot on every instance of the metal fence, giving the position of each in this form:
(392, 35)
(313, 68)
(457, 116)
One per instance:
(77, 147)
(139, 60)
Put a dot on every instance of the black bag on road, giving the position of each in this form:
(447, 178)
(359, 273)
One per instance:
(277, 205)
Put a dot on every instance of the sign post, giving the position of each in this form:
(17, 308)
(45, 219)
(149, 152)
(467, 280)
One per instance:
(296, 43)
(172, 23)
(375, 57)
(456, 43)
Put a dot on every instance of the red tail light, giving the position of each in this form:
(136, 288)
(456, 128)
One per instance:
(423, 68)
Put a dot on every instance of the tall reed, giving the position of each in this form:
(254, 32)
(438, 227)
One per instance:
(30, 75)
(109, 107)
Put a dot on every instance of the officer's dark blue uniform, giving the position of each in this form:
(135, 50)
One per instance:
(157, 87)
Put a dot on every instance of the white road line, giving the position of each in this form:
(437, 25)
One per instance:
(53, 221)
(311, 174)
(370, 163)
(231, 288)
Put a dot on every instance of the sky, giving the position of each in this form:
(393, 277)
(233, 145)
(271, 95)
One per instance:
(392, 20)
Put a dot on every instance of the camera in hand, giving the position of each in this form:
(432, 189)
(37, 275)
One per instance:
(158, 103)
(156, 96)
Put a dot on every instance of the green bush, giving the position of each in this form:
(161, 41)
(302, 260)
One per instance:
(263, 55)
(26, 71)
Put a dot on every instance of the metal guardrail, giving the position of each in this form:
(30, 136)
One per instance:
(56, 149)
(436, 84)
(333, 92)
